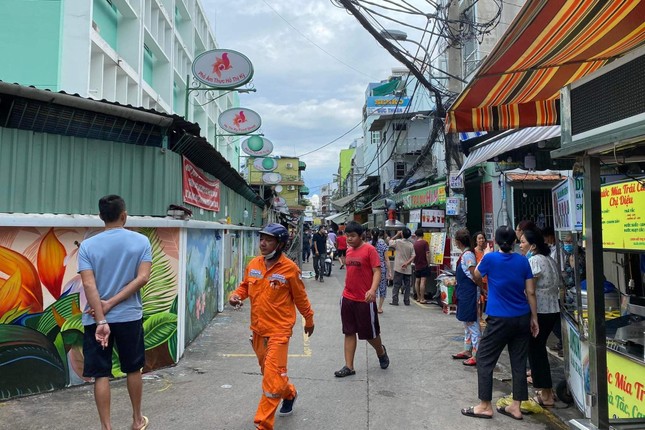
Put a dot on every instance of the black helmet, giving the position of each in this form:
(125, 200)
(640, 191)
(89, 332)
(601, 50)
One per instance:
(276, 230)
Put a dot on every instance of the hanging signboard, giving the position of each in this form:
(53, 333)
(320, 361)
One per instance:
(239, 120)
(197, 189)
(453, 206)
(455, 180)
(564, 206)
(222, 69)
(433, 218)
(271, 178)
(623, 220)
(265, 164)
(257, 146)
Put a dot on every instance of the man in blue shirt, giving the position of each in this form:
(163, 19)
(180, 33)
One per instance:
(114, 265)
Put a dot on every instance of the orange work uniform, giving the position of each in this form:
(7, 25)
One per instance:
(275, 294)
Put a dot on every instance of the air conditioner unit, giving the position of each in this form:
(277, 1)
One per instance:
(289, 165)
(291, 188)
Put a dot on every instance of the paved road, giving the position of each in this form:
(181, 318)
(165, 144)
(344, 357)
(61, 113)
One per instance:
(216, 385)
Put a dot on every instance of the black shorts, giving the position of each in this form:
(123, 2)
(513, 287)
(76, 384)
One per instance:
(423, 273)
(341, 252)
(359, 318)
(128, 337)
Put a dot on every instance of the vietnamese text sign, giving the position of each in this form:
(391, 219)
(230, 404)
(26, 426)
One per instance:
(415, 216)
(433, 195)
(623, 220)
(564, 206)
(222, 68)
(437, 245)
(433, 218)
(625, 387)
(386, 105)
(198, 190)
(578, 352)
(455, 180)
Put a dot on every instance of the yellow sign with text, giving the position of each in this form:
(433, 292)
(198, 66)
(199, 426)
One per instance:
(625, 387)
(623, 216)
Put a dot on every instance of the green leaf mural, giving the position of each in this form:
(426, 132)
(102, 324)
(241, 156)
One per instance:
(29, 362)
(64, 308)
(160, 291)
(72, 330)
(159, 328)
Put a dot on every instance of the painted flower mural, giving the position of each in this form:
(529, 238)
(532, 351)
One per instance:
(41, 302)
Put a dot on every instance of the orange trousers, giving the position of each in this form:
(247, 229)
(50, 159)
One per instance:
(272, 353)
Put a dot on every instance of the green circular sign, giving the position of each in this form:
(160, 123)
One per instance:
(255, 143)
(267, 163)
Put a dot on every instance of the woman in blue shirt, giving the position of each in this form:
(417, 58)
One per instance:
(512, 319)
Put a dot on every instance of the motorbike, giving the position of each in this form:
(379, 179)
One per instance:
(331, 249)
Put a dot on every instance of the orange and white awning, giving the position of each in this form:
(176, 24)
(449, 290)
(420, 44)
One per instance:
(549, 44)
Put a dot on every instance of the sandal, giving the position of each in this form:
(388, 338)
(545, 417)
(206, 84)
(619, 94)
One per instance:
(538, 399)
(423, 302)
(345, 371)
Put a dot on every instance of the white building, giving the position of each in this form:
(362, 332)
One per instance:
(135, 52)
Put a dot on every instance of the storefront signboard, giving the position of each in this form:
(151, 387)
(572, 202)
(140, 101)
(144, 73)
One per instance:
(222, 69)
(437, 246)
(623, 220)
(433, 218)
(625, 387)
(453, 206)
(488, 226)
(415, 216)
(578, 357)
(564, 206)
(386, 105)
(239, 121)
(197, 189)
(455, 180)
(433, 195)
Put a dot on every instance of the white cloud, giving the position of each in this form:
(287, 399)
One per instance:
(306, 97)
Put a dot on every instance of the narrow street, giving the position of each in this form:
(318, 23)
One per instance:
(216, 385)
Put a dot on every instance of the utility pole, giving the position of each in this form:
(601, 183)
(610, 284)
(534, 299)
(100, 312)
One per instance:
(453, 156)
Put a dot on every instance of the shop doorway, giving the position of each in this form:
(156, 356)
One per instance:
(534, 205)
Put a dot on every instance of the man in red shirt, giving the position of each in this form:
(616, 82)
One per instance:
(341, 247)
(358, 306)
(421, 268)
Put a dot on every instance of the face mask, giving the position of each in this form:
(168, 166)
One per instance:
(529, 254)
(568, 248)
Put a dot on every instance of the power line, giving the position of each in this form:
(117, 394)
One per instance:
(329, 143)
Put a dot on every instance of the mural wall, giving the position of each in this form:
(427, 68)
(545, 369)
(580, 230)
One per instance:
(203, 253)
(251, 247)
(42, 300)
(232, 262)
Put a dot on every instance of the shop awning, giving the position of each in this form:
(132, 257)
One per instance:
(548, 45)
(508, 141)
(340, 218)
(344, 201)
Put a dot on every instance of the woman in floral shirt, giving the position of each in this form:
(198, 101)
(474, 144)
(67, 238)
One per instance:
(381, 247)
(545, 271)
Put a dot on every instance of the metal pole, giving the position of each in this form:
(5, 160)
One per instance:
(595, 294)
(187, 93)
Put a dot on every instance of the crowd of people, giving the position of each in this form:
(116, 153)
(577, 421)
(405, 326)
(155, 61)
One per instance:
(519, 281)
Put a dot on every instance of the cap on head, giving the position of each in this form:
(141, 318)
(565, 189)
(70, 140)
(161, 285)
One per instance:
(276, 230)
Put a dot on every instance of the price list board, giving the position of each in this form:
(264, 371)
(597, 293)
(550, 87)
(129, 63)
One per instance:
(623, 215)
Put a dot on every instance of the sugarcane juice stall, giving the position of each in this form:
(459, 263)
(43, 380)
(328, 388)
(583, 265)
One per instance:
(603, 133)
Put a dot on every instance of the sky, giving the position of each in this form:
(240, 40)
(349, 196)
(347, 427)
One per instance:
(307, 95)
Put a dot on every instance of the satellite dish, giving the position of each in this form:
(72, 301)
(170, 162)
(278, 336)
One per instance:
(278, 188)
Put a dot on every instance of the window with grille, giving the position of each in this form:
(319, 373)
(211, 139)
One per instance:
(376, 137)
(399, 170)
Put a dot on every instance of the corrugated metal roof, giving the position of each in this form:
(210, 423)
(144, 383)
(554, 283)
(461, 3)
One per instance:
(60, 113)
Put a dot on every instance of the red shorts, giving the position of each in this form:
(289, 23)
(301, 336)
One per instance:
(359, 318)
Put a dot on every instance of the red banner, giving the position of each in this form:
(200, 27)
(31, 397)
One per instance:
(198, 190)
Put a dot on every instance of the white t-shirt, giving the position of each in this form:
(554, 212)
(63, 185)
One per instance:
(548, 282)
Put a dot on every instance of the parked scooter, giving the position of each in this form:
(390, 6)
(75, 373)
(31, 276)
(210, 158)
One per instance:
(331, 249)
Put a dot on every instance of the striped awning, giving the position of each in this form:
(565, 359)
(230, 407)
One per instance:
(549, 44)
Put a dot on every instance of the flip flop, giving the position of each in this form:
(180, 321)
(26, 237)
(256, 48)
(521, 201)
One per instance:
(145, 423)
(502, 410)
(538, 399)
(380, 312)
(470, 412)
